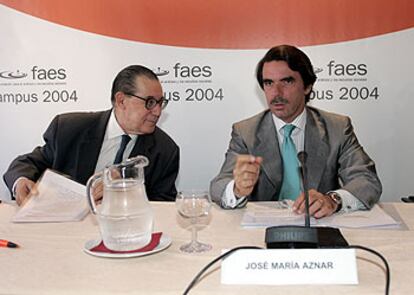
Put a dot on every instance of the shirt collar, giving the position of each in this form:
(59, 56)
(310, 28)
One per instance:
(113, 129)
(299, 121)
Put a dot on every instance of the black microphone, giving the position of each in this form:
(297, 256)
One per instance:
(294, 236)
(291, 236)
(302, 156)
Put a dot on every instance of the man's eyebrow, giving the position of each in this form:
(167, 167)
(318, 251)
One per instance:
(288, 79)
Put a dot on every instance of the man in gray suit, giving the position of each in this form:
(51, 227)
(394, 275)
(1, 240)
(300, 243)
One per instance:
(261, 162)
(79, 144)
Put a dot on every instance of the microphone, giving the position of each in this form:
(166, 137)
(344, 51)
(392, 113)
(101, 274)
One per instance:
(302, 156)
(293, 236)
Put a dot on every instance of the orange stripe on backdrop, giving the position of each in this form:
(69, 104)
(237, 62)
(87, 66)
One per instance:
(238, 24)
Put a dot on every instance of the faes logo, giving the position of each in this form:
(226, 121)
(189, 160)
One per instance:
(160, 72)
(184, 71)
(12, 75)
(48, 74)
(317, 70)
(338, 69)
(37, 73)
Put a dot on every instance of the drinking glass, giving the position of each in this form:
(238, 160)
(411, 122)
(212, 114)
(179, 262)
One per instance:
(194, 204)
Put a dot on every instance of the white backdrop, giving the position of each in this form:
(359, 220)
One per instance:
(367, 79)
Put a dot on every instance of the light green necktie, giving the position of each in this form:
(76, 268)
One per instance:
(291, 182)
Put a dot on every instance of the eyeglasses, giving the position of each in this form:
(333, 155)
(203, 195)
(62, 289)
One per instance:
(151, 102)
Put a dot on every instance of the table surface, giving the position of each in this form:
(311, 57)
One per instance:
(51, 259)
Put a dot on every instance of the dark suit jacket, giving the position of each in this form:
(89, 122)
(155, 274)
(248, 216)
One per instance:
(72, 145)
(335, 157)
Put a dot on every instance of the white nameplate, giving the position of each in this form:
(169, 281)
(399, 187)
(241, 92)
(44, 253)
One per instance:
(290, 267)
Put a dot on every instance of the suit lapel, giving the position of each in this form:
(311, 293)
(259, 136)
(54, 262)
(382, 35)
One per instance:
(90, 147)
(317, 148)
(143, 147)
(268, 148)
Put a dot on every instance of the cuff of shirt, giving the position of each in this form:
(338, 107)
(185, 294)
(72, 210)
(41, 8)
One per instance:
(349, 201)
(229, 200)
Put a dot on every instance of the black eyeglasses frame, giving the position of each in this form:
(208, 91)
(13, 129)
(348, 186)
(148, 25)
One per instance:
(150, 102)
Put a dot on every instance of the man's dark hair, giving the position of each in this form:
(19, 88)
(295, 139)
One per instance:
(125, 80)
(297, 61)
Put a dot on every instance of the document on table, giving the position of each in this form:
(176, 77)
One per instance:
(59, 199)
(281, 213)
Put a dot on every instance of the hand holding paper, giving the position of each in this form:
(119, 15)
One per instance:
(57, 199)
(25, 188)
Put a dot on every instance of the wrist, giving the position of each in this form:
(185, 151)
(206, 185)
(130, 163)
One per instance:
(14, 187)
(336, 199)
(237, 192)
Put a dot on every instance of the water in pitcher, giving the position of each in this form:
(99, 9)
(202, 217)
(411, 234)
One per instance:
(125, 217)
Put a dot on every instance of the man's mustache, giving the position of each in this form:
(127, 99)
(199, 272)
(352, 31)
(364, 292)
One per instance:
(278, 100)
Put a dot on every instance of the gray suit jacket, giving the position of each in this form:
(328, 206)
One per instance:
(335, 158)
(72, 145)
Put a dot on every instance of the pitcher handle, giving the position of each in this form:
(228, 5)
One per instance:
(89, 186)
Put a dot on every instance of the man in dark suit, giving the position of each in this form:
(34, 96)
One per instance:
(261, 162)
(80, 144)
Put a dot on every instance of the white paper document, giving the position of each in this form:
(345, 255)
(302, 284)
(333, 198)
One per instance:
(264, 214)
(58, 199)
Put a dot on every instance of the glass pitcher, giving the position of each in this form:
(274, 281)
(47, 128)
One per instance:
(125, 217)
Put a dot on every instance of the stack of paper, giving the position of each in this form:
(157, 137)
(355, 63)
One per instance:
(266, 214)
(58, 199)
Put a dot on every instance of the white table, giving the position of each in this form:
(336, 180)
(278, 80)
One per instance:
(51, 259)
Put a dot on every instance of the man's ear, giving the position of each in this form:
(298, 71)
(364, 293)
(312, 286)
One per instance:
(120, 100)
(308, 89)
